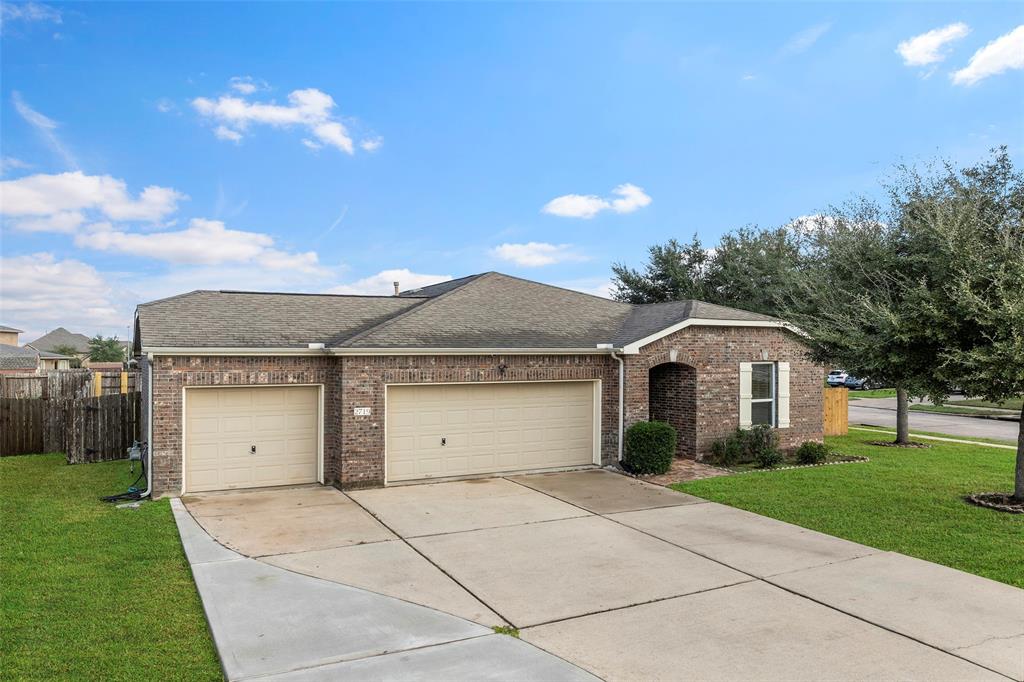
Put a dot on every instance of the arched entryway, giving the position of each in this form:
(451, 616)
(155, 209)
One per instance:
(672, 398)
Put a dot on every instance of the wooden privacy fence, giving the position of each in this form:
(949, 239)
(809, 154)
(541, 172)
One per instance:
(68, 383)
(86, 429)
(836, 415)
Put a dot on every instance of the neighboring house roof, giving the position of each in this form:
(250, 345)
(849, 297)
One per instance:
(47, 355)
(18, 357)
(5, 328)
(479, 312)
(61, 337)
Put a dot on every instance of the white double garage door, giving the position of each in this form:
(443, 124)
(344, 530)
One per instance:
(249, 437)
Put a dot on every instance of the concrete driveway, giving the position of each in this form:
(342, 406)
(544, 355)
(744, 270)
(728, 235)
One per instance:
(631, 581)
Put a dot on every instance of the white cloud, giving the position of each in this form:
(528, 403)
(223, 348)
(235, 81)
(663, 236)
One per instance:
(225, 133)
(931, 47)
(44, 126)
(166, 106)
(382, 284)
(1002, 54)
(40, 292)
(586, 206)
(535, 254)
(203, 242)
(371, 144)
(49, 195)
(247, 85)
(66, 222)
(10, 163)
(310, 109)
(28, 12)
(805, 39)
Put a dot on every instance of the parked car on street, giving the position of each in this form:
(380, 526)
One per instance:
(836, 377)
(855, 384)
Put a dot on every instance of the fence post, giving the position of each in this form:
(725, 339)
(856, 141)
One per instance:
(97, 384)
(124, 382)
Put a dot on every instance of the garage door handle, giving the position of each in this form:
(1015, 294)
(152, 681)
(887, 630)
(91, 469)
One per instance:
(252, 449)
(444, 441)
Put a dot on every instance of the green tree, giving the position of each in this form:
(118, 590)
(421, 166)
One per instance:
(853, 296)
(972, 304)
(71, 352)
(673, 272)
(105, 349)
(748, 269)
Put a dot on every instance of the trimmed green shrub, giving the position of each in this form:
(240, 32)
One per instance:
(729, 450)
(769, 459)
(649, 448)
(810, 452)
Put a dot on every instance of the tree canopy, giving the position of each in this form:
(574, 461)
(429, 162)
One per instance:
(105, 349)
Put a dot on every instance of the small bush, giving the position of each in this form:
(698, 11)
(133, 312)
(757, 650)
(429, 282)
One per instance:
(810, 452)
(729, 450)
(769, 459)
(649, 448)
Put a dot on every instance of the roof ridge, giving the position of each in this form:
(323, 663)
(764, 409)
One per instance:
(408, 293)
(412, 309)
(555, 286)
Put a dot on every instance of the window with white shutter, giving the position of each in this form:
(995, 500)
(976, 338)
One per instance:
(764, 394)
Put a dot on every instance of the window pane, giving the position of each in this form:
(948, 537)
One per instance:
(761, 381)
(761, 413)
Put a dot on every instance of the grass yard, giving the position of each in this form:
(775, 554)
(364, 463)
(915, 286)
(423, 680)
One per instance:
(953, 408)
(873, 393)
(90, 591)
(1014, 404)
(903, 500)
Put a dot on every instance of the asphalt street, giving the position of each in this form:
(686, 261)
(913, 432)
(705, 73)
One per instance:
(882, 412)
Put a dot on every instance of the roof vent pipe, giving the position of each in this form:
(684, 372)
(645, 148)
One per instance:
(396, 288)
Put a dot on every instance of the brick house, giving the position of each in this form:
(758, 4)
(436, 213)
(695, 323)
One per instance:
(481, 375)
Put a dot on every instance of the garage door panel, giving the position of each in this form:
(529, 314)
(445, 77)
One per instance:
(489, 428)
(222, 424)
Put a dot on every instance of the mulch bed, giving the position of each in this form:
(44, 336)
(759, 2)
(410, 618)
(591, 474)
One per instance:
(999, 501)
(890, 444)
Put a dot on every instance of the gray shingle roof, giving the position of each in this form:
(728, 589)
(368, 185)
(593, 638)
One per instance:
(238, 319)
(432, 290)
(61, 337)
(5, 328)
(498, 311)
(17, 357)
(486, 311)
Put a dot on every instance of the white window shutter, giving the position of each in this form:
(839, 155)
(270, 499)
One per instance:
(745, 394)
(782, 398)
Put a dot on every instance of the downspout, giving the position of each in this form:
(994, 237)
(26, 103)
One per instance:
(622, 381)
(149, 428)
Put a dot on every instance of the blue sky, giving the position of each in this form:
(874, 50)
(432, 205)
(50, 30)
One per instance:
(319, 147)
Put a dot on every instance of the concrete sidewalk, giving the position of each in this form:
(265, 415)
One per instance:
(271, 623)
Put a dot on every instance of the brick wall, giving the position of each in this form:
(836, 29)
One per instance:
(364, 378)
(715, 354)
(672, 398)
(172, 374)
(354, 445)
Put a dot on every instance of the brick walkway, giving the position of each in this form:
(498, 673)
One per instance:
(686, 470)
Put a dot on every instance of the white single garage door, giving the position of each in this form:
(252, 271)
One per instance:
(441, 430)
(223, 425)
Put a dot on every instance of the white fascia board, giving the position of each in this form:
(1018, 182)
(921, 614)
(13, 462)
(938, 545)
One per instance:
(634, 348)
(180, 350)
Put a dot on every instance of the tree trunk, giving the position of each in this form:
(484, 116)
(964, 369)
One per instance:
(1018, 484)
(902, 417)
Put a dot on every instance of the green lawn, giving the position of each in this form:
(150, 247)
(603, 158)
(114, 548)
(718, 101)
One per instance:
(89, 591)
(1011, 404)
(888, 433)
(903, 500)
(952, 408)
(873, 393)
